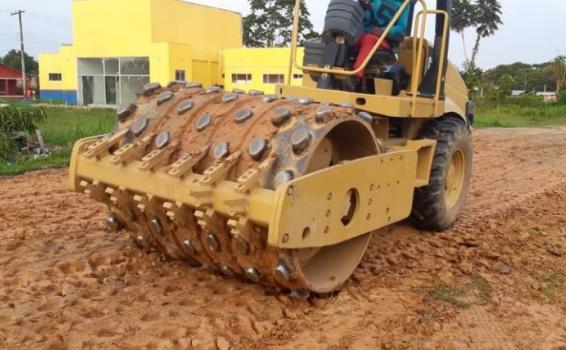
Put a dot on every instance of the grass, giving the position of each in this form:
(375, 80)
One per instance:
(553, 284)
(57, 159)
(509, 115)
(476, 292)
(61, 128)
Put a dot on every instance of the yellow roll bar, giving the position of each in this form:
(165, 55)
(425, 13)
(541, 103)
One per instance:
(417, 56)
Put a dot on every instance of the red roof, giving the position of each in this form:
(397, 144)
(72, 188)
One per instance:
(9, 73)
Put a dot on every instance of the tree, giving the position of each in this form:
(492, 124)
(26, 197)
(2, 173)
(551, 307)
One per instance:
(13, 60)
(463, 17)
(529, 77)
(270, 23)
(473, 77)
(559, 72)
(487, 18)
(482, 15)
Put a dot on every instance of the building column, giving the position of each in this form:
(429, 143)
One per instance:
(6, 87)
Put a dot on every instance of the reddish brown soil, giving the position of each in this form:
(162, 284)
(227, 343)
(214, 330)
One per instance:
(495, 281)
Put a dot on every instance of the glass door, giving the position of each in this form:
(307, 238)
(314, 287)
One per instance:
(88, 90)
(111, 90)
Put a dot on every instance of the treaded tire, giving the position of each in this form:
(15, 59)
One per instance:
(431, 209)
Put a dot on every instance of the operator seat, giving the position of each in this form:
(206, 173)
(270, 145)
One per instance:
(384, 56)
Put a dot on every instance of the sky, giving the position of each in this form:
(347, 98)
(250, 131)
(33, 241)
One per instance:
(533, 32)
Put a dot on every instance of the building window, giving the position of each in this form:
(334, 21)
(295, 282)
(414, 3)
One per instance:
(273, 78)
(297, 76)
(112, 80)
(134, 66)
(241, 78)
(55, 77)
(180, 75)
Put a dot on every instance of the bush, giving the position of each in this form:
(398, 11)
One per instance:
(7, 147)
(526, 100)
(16, 119)
(13, 119)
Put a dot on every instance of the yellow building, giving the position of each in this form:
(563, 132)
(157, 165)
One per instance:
(259, 69)
(121, 45)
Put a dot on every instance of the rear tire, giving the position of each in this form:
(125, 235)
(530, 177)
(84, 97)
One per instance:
(437, 206)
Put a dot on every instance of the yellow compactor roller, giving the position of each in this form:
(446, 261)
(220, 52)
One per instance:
(286, 189)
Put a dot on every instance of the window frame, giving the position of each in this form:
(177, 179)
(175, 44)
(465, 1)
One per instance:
(268, 78)
(247, 78)
(180, 75)
(55, 76)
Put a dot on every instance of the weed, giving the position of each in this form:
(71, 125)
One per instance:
(16, 119)
(553, 283)
(476, 292)
(451, 295)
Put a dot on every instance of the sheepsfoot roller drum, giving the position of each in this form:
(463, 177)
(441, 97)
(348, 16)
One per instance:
(283, 192)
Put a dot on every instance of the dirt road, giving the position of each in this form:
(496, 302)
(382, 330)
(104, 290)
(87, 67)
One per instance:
(495, 281)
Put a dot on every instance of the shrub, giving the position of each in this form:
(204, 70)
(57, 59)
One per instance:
(7, 147)
(16, 119)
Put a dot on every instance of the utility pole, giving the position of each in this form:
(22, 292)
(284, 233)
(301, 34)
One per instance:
(22, 52)
(525, 80)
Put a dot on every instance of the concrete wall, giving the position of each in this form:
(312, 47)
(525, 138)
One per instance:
(65, 63)
(258, 62)
(207, 29)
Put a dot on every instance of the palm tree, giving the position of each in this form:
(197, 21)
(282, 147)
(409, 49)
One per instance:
(487, 20)
(463, 15)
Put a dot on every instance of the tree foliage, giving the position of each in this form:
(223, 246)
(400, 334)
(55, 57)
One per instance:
(270, 23)
(487, 22)
(473, 77)
(559, 72)
(13, 60)
(484, 16)
(529, 77)
(463, 15)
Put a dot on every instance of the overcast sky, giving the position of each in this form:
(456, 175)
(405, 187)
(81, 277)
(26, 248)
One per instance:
(533, 31)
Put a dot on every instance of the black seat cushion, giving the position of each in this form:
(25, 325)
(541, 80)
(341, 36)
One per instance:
(383, 57)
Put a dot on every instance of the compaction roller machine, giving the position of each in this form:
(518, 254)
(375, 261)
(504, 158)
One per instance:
(285, 189)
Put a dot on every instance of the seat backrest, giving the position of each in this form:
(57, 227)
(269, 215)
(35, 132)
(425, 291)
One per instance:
(396, 40)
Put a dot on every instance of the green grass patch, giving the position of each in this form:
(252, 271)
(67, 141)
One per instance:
(57, 159)
(476, 292)
(509, 115)
(554, 284)
(61, 128)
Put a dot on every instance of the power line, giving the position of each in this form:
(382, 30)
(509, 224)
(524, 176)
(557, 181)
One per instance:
(50, 18)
